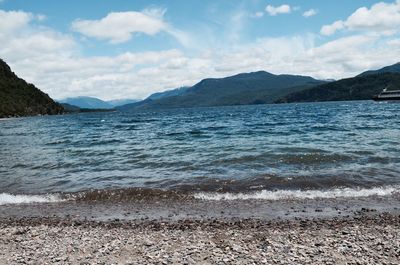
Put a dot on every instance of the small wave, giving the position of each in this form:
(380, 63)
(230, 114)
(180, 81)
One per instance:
(6, 198)
(126, 195)
(139, 121)
(299, 194)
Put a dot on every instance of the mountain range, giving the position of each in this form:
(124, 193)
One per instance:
(19, 98)
(87, 103)
(247, 88)
(95, 103)
(169, 93)
(362, 87)
(120, 102)
(263, 87)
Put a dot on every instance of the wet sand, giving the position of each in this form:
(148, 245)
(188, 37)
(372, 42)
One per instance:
(175, 208)
(185, 231)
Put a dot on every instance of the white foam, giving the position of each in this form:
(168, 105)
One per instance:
(300, 194)
(6, 198)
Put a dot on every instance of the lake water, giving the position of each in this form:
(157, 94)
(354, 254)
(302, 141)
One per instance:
(317, 148)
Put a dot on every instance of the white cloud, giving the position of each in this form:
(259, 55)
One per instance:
(13, 20)
(328, 30)
(382, 18)
(344, 57)
(20, 39)
(310, 13)
(53, 61)
(394, 42)
(119, 27)
(283, 9)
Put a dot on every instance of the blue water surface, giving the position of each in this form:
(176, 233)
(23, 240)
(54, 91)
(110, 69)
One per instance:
(239, 148)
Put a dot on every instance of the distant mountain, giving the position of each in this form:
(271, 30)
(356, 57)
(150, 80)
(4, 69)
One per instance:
(87, 103)
(18, 98)
(362, 87)
(168, 93)
(242, 89)
(121, 102)
(151, 98)
(68, 108)
(395, 68)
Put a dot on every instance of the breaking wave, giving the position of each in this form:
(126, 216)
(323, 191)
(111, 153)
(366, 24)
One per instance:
(300, 194)
(151, 195)
(6, 198)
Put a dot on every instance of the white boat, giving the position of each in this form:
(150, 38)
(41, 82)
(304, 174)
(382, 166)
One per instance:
(387, 95)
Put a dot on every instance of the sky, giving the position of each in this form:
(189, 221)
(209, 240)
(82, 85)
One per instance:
(119, 49)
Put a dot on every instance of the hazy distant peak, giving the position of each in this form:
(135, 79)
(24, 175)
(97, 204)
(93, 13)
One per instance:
(121, 102)
(87, 102)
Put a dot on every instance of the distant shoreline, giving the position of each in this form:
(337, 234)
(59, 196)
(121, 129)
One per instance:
(61, 114)
(84, 110)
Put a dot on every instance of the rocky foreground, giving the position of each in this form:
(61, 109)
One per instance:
(355, 240)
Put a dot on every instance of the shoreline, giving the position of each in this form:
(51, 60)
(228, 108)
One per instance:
(365, 239)
(362, 230)
(180, 207)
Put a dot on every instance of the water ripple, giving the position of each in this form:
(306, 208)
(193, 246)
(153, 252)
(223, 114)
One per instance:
(240, 148)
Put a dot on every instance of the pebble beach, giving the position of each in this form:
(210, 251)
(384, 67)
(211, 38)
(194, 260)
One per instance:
(364, 239)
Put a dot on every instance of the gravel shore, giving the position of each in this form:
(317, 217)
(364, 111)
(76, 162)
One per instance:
(369, 239)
